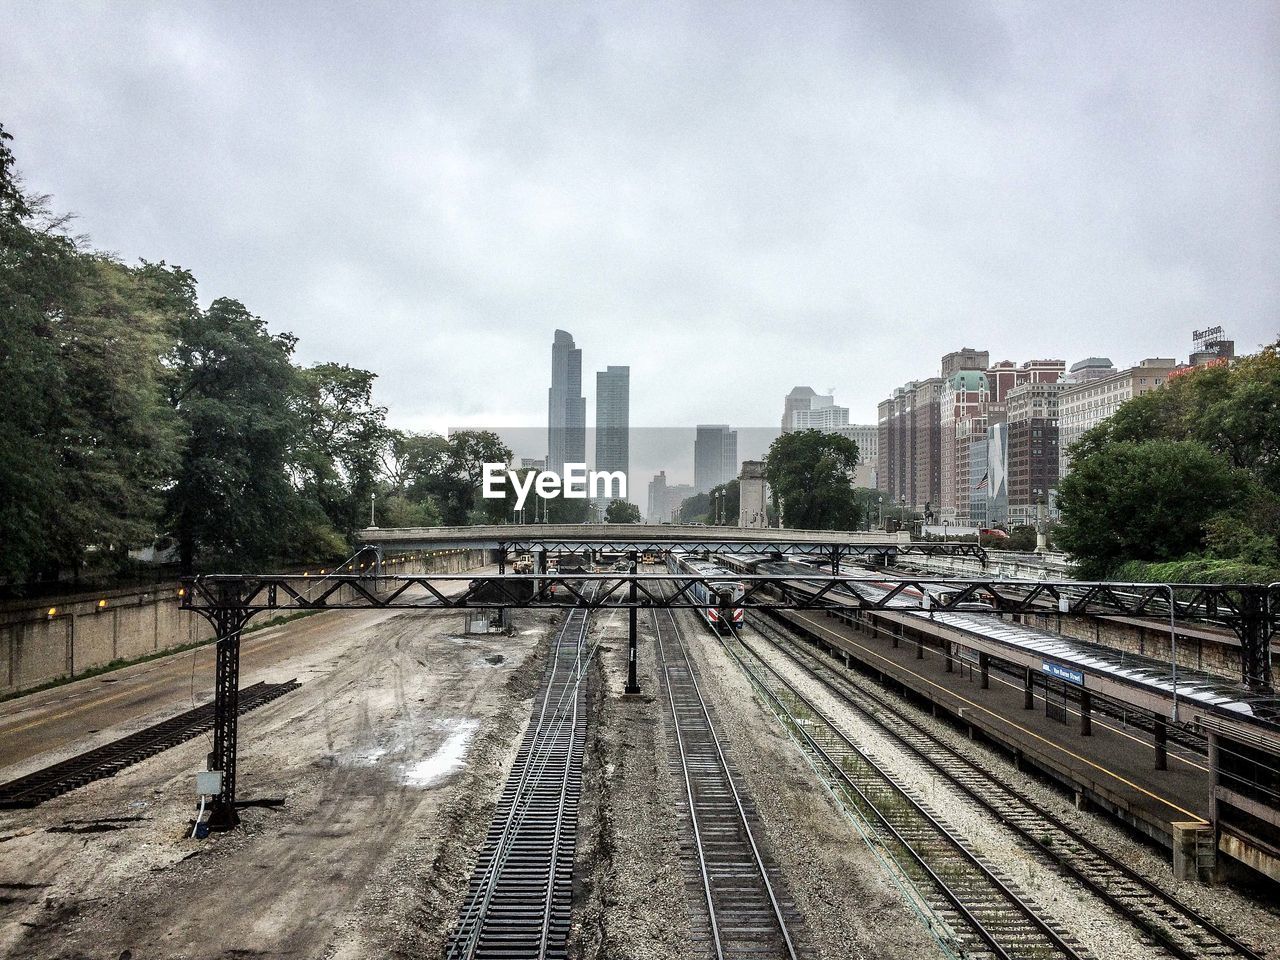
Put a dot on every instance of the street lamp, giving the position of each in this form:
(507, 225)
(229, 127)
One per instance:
(880, 501)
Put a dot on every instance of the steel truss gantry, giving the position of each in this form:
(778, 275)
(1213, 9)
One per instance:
(228, 602)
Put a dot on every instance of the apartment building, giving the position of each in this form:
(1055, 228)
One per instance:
(1033, 448)
(1084, 405)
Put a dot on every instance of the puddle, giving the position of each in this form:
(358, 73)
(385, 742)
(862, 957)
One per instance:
(448, 758)
(495, 659)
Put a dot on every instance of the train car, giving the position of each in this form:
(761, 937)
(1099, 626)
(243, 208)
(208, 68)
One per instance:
(713, 596)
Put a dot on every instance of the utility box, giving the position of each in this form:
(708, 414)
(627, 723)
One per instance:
(208, 783)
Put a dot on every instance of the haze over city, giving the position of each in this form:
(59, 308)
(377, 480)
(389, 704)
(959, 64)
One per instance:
(730, 201)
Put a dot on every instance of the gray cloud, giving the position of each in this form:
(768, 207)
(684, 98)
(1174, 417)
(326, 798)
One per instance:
(732, 198)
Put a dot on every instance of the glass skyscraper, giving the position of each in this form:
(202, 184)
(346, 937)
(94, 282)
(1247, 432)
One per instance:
(567, 408)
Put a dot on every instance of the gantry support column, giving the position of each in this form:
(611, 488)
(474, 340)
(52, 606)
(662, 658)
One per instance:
(1255, 628)
(1028, 690)
(835, 561)
(1162, 744)
(633, 685)
(984, 668)
(228, 620)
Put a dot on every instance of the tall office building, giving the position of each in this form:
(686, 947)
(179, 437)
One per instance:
(965, 395)
(925, 494)
(1033, 448)
(567, 408)
(715, 456)
(804, 409)
(658, 511)
(800, 398)
(613, 404)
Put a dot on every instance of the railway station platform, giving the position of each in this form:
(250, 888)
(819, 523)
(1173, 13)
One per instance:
(1159, 785)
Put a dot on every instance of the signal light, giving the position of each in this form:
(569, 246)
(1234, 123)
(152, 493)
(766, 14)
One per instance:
(102, 604)
(182, 591)
(53, 611)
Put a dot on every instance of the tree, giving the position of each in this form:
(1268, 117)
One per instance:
(234, 389)
(725, 500)
(447, 472)
(343, 434)
(694, 509)
(117, 435)
(38, 264)
(622, 511)
(809, 475)
(1233, 410)
(1146, 501)
(1021, 538)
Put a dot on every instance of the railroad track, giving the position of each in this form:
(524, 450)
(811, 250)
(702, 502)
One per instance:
(745, 913)
(520, 894)
(973, 909)
(109, 759)
(1161, 917)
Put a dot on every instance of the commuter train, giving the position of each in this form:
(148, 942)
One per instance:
(711, 601)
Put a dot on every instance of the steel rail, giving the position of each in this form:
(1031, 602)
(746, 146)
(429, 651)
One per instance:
(545, 744)
(110, 758)
(716, 904)
(979, 876)
(1096, 869)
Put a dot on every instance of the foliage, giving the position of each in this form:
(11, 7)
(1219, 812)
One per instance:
(1230, 413)
(233, 386)
(1232, 410)
(342, 435)
(809, 476)
(1022, 538)
(38, 264)
(1197, 570)
(1147, 501)
(694, 509)
(118, 437)
(622, 511)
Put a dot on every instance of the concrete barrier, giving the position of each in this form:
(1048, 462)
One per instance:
(66, 636)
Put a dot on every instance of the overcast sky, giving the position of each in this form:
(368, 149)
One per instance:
(733, 198)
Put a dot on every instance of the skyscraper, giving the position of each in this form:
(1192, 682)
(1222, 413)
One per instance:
(715, 456)
(567, 408)
(613, 404)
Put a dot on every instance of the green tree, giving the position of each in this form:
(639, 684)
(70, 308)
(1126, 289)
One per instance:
(621, 511)
(343, 435)
(117, 436)
(695, 509)
(1147, 501)
(809, 475)
(38, 266)
(1233, 410)
(725, 499)
(234, 387)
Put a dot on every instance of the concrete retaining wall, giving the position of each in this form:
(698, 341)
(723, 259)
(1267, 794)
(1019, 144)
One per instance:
(66, 636)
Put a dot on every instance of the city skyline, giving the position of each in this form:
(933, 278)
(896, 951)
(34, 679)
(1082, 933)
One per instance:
(1052, 184)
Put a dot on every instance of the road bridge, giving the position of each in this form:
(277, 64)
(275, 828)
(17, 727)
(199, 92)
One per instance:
(505, 539)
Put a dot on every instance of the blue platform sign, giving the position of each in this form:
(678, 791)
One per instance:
(1064, 673)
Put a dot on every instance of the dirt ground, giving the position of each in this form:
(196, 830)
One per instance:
(387, 762)
(377, 780)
